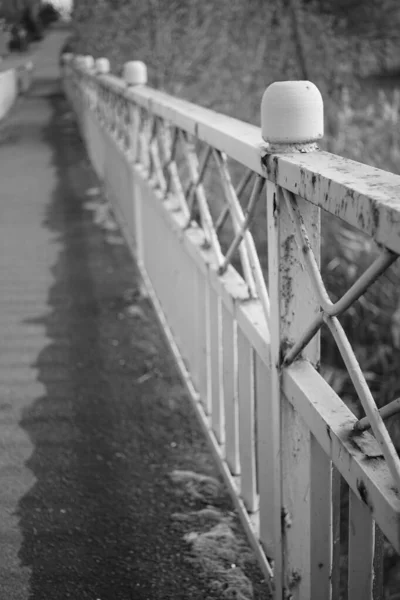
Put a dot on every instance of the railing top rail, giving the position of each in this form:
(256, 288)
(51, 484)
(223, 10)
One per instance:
(363, 196)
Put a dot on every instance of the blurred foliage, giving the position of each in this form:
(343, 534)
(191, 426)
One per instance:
(13, 9)
(48, 14)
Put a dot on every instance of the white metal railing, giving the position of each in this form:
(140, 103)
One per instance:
(249, 352)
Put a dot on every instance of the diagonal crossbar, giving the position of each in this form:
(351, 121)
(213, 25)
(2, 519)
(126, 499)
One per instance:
(238, 191)
(254, 276)
(386, 412)
(384, 260)
(368, 403)
(233, 203)
(328, 316)
(169, 151)
(154, 150)
(249, 215)
(191, 193)
(197, 172)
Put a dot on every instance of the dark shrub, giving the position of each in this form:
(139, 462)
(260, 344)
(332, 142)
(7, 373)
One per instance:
(19, 39)
(31, 25)
(48, 14)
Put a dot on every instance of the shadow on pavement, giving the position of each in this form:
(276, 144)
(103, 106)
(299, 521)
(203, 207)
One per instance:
(97, 523)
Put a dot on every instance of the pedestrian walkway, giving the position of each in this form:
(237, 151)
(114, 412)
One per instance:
(103, 469)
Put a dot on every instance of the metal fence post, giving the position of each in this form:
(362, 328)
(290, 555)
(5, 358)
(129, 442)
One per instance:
(102, 66)
(135, 74)
(292, 121)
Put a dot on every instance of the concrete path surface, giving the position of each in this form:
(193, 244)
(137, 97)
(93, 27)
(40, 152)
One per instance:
(107, 490)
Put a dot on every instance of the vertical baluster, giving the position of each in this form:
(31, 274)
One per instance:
(203, 341)
(335, 578)
(379, 555)
(135, 74)
(217, 412)
(246, 421)
(265, 453)
(230, 379)
(321, 521)
(361, 549)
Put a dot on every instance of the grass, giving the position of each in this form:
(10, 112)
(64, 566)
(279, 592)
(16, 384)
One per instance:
(217, 548)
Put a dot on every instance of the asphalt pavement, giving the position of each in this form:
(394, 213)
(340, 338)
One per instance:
(105, 477)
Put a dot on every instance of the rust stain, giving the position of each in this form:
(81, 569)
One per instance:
(362, 490)
(375, 216)
(313, 180)
(271, 164)
(361, 220)
(275, 211)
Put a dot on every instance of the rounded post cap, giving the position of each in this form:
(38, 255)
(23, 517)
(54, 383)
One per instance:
(292, 112)
(102, 66)
(135, 73)
(67, 57)
(78, 59)
(88, 62)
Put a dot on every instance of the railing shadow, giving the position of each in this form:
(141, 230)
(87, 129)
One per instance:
(90, 519)
(78, 488)
(97, 522)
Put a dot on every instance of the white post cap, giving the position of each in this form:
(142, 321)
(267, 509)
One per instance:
(78, 59)
(135, 73)
(102, 66)
(292, 112)
(67, 57)
(88, 62)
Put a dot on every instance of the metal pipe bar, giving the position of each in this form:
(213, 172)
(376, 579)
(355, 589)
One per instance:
(309, 259)
(249, 215)
(146, 132)
(173, 180)
(386, 411)
(254, 277)
(205, 215)
(194, 184)
(378, 427)
(384, 260)
(154, 153)
(239, 190)
(230, 195)
(304, 339)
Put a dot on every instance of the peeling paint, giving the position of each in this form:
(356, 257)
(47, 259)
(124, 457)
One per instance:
(271, 164)
(287, 280)
(362, 490)
(313, 180)
(294, 579)
(375, 216)
(285, 519)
